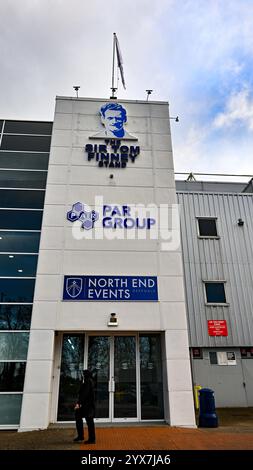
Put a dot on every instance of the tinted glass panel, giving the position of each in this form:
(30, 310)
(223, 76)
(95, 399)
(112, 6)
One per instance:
(213, 357)
(1, 124)
(18, 265)
(15, 317)
(125, 399)
(71, 375)
(215, 292)
(23, 220)
(16, 290)
(32, 161)
(28, 127)
(23, 179)
(10, 408)
(12, 375)
(151, 377)
(247, 353)
(99, 364)
(26, 142)
(19, 242)
(207, 227)
(21, 198)
(13, 346)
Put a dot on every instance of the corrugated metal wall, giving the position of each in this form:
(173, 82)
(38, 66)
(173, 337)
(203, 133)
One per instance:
(229, 258)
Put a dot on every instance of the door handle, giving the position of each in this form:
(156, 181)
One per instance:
(111, 386)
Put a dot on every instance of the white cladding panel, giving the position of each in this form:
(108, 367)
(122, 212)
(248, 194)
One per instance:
(72, 178)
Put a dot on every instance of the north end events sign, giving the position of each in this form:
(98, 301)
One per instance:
(110, 288)
(217, 328)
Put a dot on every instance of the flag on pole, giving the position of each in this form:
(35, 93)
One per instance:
(120, 61)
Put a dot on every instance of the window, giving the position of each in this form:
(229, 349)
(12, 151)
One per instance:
(207, 227)
(23, 179)
(197, 353)
(222, 358)
(18, 265)
(213, 357)
(31, 161)
(215, 293)
(15, 317)
(10, 408)
(16, 290)
(26, 142)
(19, 242)
(20, 219)
(12, 375)
(28, 127)
(247, 353)
(151, 377)
(13, 346)
(21, 198)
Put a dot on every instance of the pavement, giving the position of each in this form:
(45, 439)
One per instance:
(235, 432)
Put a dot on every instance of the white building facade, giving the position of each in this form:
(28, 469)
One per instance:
(111, 260)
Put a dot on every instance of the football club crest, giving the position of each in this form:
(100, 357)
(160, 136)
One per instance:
(74, 286)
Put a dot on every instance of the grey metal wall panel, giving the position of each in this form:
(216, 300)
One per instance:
(228, 258)
(225, 381)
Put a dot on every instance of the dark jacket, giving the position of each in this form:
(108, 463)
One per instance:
(86, 398)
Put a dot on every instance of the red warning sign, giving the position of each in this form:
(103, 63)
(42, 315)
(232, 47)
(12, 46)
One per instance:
(217, 328)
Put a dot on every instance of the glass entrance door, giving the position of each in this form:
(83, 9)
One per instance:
(127, 373)
(99, 364)
(124, 376)
(112, 360)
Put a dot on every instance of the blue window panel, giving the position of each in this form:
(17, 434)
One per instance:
(21, 198)
(23, 179)
(10, 408)
(15, 317)
(12, 376)
(20, 219)
(19, 242)
(28, 127)
(13, 346)
(26, 142)
(215, 292)
(16, 290)
(22, 160)
(18, 265)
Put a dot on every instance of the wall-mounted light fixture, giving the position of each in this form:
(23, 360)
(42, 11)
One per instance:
(113, 321)
(240, 222)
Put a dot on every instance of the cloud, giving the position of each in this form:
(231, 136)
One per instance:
(238, 110)
(197, 54)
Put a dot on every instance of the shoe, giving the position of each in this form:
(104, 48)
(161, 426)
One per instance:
(78, 439)
(89, 442)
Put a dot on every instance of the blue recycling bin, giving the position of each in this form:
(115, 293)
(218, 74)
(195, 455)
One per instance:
(207, 413)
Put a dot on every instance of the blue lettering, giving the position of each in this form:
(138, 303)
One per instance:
(106, 208)
(118, 222)
(150, 222)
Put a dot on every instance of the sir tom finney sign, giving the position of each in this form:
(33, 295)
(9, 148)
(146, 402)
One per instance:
(111, 288)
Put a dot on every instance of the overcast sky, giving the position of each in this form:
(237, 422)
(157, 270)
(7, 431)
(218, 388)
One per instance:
(196, 54)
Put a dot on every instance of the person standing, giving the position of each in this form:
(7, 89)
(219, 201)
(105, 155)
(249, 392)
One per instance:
(85, 408)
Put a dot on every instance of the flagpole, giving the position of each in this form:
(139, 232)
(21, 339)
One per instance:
(113, 66)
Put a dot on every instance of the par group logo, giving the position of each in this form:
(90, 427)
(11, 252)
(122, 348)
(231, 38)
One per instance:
(113, 221)
(81, 212)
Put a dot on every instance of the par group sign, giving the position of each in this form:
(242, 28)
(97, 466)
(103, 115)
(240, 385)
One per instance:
(110, 288)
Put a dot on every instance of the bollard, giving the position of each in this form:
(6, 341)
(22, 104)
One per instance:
(197, 388)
